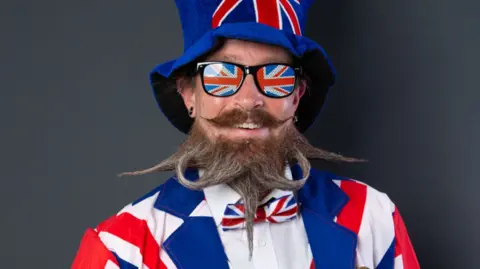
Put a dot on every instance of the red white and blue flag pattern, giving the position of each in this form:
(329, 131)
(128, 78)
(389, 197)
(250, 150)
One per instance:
(222, 79)
(133, 238)
(277, 80)
(269, 12)
(278, 210)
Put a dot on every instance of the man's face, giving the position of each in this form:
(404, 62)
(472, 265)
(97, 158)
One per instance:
(248, 97)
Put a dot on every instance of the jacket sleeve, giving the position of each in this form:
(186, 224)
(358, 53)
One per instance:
(404, 253)
(93, 254)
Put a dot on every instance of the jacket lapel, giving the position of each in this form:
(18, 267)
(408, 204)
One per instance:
(196, 242)
(332, 245)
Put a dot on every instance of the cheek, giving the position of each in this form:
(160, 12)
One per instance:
(209, 106)
(281, 108)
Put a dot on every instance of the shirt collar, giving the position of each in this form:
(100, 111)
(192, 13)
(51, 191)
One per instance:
(219, 196)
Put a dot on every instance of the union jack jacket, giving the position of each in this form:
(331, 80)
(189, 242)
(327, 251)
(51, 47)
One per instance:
(349, 225)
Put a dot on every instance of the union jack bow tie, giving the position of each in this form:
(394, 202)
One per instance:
(278, 210)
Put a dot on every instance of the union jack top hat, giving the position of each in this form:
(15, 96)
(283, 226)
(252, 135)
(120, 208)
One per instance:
(275, 22)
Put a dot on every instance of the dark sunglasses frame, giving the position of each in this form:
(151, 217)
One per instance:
(246, 71)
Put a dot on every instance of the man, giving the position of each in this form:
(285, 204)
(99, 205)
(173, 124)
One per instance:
(244, 194)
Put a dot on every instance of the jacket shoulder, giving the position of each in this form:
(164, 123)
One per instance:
(141, 216)
(383, 240)
(135, 233)
(369, 213)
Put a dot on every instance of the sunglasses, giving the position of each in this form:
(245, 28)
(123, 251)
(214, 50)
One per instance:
(223, 79)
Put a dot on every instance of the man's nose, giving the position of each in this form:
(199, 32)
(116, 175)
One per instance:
(248, 96)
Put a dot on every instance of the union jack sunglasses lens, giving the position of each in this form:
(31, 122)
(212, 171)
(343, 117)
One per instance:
(276, 80)
(222, 79)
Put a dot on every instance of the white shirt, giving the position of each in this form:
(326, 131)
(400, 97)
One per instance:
(275, 245)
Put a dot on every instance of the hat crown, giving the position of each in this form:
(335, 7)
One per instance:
(200, 16)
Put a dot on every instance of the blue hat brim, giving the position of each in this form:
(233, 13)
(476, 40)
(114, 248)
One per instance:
(311, 56)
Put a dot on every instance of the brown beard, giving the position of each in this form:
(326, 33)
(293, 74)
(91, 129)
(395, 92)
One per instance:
(251, 167)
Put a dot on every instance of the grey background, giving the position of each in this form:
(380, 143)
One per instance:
(76, 109)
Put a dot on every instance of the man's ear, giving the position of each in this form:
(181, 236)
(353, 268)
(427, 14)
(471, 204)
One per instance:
(300, 91)
(186, 90)
(302, 88)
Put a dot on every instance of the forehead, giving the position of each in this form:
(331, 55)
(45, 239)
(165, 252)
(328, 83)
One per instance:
(250, 53)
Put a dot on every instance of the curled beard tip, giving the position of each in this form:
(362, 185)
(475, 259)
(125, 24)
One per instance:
(304, 163)
(180, 168)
